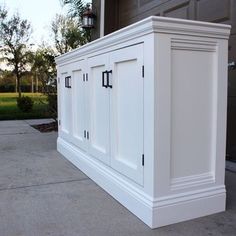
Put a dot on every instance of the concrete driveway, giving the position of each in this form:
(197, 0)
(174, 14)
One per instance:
(41, 194)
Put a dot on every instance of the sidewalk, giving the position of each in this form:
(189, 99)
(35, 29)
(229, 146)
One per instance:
(41, 193)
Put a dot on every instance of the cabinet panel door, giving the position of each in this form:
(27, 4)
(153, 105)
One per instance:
(127, 112)
(99, 101)
(79, 116)
(65, 104)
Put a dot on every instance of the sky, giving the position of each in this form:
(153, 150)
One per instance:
(40, 14)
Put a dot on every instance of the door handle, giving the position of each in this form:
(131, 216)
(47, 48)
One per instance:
(103, 79)
(108, 79)
(68, 81)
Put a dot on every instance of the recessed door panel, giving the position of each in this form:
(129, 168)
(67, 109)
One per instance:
(99, 145)
(79, 106)
(127, 112)
(65, 104)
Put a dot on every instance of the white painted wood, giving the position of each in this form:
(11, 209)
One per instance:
(127, 112)
(99, 110)
(162, 123)
(192, 145)
(102, 18)
(79, 97)
(175, 116)
(65, 105)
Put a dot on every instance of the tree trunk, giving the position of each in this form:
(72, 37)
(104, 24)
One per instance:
(32, 84)
(37, 84)
(18, 87)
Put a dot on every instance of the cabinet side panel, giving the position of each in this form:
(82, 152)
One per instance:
(193, 109)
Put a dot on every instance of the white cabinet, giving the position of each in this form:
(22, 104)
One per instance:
(142, 112)
(102, 113)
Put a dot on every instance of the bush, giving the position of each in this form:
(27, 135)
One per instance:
(52, 105)
(7, 88)
(52, 102)
(25, 104)
(10, 88)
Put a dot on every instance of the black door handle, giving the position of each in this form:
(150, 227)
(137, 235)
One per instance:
(103, 79)
(68, 81)
(108, 79)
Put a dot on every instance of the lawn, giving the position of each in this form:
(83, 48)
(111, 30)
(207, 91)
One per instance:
(10, 111)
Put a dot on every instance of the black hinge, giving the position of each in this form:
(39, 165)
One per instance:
(59, 122)
(87, 135)
(86, 76)
(84, 133)
(143, 160)
(143, 71)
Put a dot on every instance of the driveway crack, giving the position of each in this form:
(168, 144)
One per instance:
(44, 184)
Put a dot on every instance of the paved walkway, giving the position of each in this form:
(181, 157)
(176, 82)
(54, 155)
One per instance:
(42, 194)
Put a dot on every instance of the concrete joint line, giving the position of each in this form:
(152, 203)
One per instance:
(38, 185)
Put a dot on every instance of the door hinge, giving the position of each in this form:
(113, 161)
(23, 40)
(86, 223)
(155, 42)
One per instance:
(86, 76)
(232, 65)
(59, 122)
(86, 134)
(142, 159)
(143, 71)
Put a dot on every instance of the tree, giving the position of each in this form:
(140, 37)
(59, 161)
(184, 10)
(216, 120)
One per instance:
(7, 81)
(3, 14)
(76, 10)
(44, 69)
(76, 7)
(43, 65)
(14, 36)
(67, 34)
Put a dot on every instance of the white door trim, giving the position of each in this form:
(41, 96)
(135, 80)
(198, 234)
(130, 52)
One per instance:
(102, 18)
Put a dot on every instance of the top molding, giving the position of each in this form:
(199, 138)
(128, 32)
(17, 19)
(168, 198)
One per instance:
(152, 24)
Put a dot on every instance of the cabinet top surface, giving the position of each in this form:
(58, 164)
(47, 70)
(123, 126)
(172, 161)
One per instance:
(152, 24)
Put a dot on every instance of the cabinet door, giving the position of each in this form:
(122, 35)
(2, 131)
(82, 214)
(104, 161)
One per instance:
(79, 98)
(99, 101)
(65, 103)
(127, 111)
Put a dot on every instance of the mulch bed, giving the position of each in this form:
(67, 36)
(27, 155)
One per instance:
(44, 128)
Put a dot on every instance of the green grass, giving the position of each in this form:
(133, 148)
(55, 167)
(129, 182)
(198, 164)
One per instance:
(10, 111)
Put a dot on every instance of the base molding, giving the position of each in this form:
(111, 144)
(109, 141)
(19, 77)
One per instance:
(154, 212)
(187, 210)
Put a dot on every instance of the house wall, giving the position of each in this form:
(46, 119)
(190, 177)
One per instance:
(120, 13)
